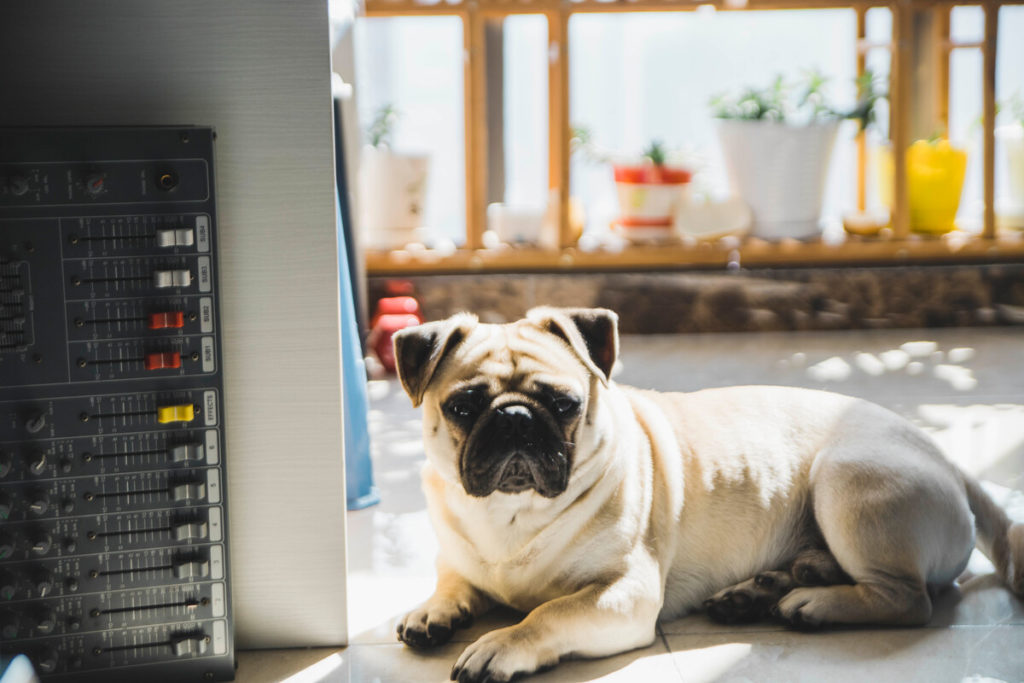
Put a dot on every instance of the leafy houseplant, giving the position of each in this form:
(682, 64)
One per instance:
(777, 149)
(392, 185)
(649, 193)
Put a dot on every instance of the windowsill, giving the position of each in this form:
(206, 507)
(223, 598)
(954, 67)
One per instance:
(726, 253)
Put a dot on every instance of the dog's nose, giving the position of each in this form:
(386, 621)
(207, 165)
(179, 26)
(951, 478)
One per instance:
(515, 420)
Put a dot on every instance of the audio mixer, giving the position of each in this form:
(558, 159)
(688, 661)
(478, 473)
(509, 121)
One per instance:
(113, 532)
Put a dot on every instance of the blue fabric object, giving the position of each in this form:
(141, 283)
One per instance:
(17, 670)
(359, 489)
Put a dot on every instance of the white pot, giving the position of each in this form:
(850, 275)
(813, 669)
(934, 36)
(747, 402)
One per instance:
(1010, 208)
(649, 204)
(392, 196)
(516, 225)
(780, 171)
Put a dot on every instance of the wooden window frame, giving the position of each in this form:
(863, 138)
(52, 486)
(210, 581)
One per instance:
(901, 246)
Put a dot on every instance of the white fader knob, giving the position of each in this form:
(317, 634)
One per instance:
(171, 278)
(180, 237)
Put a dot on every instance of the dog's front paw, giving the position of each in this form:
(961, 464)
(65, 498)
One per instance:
(801, 609)
(433, 623)
(503, 655)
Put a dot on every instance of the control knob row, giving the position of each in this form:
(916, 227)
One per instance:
(38, 542)
(36, 504)
(39, 621)
(36, 464)
(38, 581)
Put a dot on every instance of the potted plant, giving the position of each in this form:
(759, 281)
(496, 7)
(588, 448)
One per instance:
(650, 193)
(392, 186)
(1010, 209)
(777, 152)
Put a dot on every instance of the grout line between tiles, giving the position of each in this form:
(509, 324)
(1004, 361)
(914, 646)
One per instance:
(664, 641)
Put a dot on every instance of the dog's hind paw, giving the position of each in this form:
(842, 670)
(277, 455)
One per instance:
(818, 568)
(748, 601)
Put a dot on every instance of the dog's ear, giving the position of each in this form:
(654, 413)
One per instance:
(592, 333)
(419, 351)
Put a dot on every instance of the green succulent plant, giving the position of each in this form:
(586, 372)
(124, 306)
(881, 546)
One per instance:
(382, 128)
(777, 103)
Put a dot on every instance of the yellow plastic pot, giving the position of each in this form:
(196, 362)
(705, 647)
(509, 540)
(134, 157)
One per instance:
(935, 181)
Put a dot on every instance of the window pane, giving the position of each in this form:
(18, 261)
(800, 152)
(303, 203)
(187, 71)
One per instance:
(526, 111)
(640, 77)
(967, 24)
(415, 64)
(965, 102)
(878, 24)
(1010, 124)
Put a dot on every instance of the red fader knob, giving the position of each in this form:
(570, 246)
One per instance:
(161, 321)
(163, 361)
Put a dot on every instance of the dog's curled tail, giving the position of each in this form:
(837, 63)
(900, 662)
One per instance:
(998, 537)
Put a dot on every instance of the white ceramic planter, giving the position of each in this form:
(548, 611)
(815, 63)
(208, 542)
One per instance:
(392, 196)
(1010, 207)
(780, 171)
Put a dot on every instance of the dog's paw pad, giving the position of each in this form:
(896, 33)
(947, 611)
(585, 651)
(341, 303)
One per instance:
(801, 621)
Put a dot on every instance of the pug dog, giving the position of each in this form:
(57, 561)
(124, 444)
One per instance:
(597, 509)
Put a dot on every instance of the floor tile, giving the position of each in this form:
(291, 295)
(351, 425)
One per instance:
(310, 665)
(933, 655)
(399, 664)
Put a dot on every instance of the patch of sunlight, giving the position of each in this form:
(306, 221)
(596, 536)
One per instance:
(833, 369)
(975, 437)
(378, 389)
(870, 364)
(330, 668)
(960, 354)
(959, 377)
(894, 359)
(920, 349)
(710, 663)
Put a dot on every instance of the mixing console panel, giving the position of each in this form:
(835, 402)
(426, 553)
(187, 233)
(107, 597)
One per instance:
(113, 533)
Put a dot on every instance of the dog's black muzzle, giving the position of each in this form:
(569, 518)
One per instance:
(516, 447)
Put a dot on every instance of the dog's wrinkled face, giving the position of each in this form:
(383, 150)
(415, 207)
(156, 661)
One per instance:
(512, 425)
(502, 403)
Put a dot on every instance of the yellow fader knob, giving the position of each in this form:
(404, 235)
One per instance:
(180, 413)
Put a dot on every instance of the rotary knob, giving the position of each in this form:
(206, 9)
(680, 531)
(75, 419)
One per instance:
(6, 463)
(17, 184)
(42, 582)
(47, 660)
(6, 505)
(37, 464)
(38, 503)
(6, 545)
(94, 183)
(8, 586)
(10, 626)
(35, 423)
(45, 621)
(40, 543)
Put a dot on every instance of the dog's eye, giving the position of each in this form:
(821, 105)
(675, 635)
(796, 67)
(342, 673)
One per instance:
(462, 407)
(565, 405)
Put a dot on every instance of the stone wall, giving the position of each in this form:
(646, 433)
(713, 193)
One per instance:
(749, 300)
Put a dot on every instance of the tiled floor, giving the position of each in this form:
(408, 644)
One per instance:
(964, 386)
